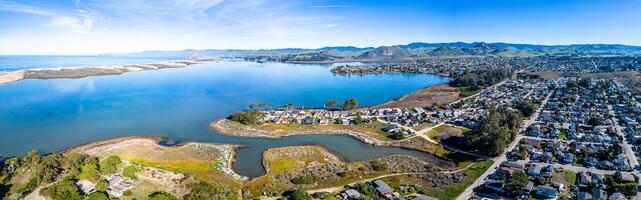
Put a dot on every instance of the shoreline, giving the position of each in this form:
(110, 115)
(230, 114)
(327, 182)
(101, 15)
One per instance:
(81, 72)
(223, 125)
(114, 144)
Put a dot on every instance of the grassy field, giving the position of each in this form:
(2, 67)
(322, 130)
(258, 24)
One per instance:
(445, 128)
(565, 176)
(284, 158)
(372, 129)
(202, 169)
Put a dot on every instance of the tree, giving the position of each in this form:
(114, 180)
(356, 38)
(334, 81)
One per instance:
(365, 189)
(514, 184)
(595, 121)
(130, 172)
(331, 104)
(205, 190)
(247, 118)
(262, 106)
(494, 132)
(49, 168)
(102, 185)
(74, 162)
(350, 104)
(526, 108)
(299, 194)
(89, 172)
(252, 107)
(160, 195)
(358, 119)
(109, 165)
(65, 189)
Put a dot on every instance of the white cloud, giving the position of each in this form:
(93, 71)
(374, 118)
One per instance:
(79, 21)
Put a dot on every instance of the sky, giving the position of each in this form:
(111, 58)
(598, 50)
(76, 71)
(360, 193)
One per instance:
(79, 27)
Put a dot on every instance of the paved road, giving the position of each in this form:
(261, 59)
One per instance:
(502, 158)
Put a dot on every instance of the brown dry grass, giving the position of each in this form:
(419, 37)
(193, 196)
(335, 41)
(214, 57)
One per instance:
(438, 94)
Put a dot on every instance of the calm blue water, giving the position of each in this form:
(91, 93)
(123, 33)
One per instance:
(13, 63)
(50, 115)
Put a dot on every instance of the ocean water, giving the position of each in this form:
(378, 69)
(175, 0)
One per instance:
(50, 115)
(14, 63)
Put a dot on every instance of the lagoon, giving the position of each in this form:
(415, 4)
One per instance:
(50, 115)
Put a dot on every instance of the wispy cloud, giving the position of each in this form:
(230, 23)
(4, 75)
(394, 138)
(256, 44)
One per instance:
(331, 6)
(79, 21)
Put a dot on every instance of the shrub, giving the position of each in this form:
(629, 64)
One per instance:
(305, 179)
(298, 194)
(159, 195)
(378, 166)
(205, 190)
(365, 189)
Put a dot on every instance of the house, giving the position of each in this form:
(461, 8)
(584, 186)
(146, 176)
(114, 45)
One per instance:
(528, 188)
(86, 186)
(568, 158)
(627, 177)
(590, 161)
(584, 179)
(617, 196)
(351, 194)
(496, 187)
(599, 194)
(584, 196)
(507, 172)
(598, 178)
(382, 187)
(546, 192)
(534, 170)
(548, 171)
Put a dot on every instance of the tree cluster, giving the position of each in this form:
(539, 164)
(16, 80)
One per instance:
(495, 132)
(247, 118)
(477, 79)
(526, 108)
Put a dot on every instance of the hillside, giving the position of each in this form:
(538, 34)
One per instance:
(408, 51)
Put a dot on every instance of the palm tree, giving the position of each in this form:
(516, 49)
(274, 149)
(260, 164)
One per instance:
(261, 106)
(291, 105)
(330, 104)
(252, 107)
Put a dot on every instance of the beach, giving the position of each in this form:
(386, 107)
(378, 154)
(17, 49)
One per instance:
(80, 72)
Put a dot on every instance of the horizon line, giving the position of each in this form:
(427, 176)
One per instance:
(362, 47)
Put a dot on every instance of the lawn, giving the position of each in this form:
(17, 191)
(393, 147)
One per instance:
(454, 190)
(563, 136)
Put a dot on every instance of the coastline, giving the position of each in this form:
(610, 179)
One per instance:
(225, 126)
(81, 72)
(149, 148)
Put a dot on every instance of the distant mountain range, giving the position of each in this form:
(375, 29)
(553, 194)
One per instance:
(409, 51)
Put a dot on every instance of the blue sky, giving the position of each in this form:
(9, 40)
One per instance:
(100, 26)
